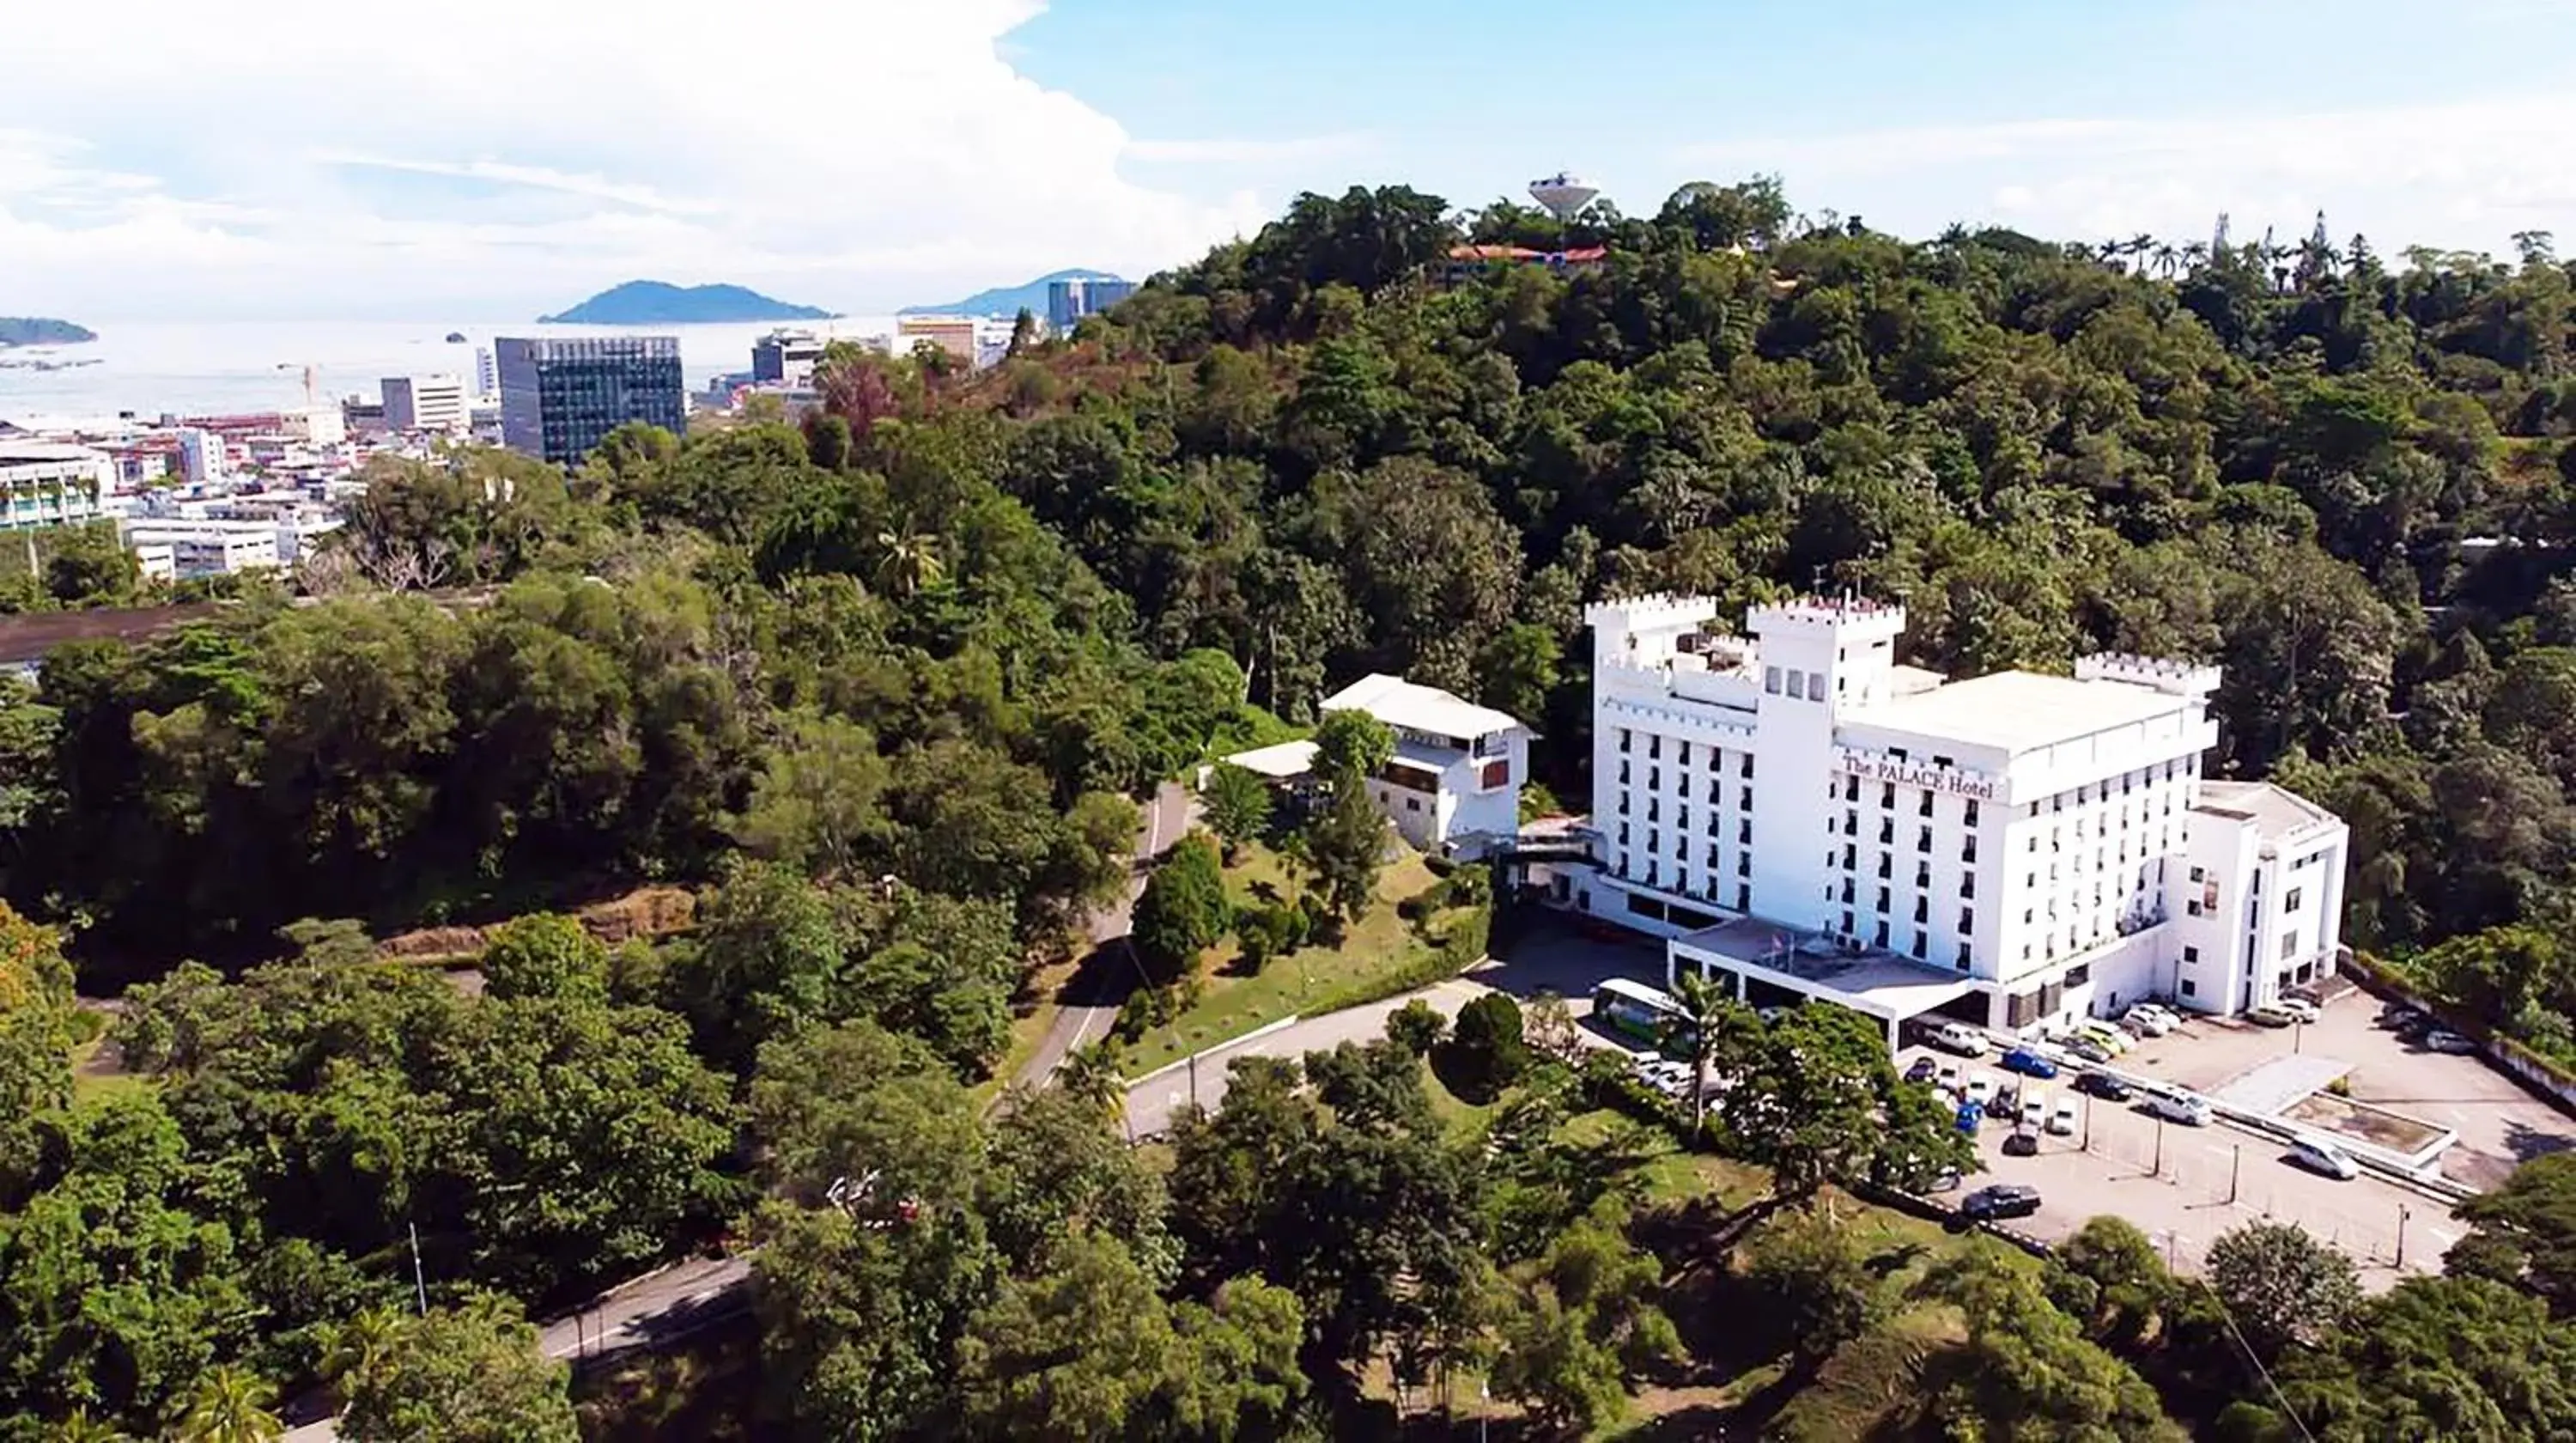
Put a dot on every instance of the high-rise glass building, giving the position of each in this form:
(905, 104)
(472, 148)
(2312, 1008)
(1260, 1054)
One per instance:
(1068, 301)
(560, 398)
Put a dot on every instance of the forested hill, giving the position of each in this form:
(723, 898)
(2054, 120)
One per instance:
(882, 691)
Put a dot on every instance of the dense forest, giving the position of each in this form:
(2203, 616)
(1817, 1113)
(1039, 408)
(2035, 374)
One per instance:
(884, 689)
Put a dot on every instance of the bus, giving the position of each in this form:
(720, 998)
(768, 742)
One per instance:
(1646, 1015)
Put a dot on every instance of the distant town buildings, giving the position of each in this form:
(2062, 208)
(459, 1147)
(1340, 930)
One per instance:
(202, 457)
(46, 483)
(953, 334)
(417, 404)
(1068, 301)
(786, 358)
(561, 398)
(487, 374)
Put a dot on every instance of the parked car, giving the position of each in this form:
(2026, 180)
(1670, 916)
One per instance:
(2065, 1117)
(2104, 1086)
(2300, 1008)
(2180, 1107)
(2319, 1156)
(1923, 1070)
(1960, 1038)
(2271, 1016)
(2034, 1112)
(2107, 1035)
(2027, 1063)
(2090, 1049)
(2147, 1021)
(2443, 1039)
(2022, 1143)
(2000, 1200)
(1981, 1088)
(1972, 1116)
(1947, 1076)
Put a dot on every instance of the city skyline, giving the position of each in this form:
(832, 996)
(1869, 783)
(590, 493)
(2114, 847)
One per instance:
(295, 162)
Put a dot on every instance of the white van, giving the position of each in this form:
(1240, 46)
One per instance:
(2180, 1107)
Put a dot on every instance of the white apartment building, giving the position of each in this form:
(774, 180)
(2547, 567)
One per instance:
(426, 403)
(1798, 811)
(46, 483)
(1454, 782)
(206, 547)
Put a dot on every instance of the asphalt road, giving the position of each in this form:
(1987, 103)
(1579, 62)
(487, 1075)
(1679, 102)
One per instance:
(1088, 1002)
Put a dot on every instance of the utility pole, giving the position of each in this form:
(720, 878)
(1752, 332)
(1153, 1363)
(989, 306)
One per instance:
(2159, 1169)
(419, 1280)
(2403, 1213)
(2235, 1165)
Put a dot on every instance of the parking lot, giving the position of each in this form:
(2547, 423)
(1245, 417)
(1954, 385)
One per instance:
(2500, 1125)
(2184, 1186)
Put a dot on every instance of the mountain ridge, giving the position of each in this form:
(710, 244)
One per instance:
(659, 303)
(42, 331)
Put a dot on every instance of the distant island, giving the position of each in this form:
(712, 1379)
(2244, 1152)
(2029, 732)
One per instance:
(658, 303)
(1010, 300)
(42, 331)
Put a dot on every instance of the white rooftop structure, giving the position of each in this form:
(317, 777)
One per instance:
(1406, 706)
(2030, 837)
(1285, 762)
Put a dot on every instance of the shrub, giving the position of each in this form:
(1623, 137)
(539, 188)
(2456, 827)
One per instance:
(1417, 1027)
(1486, 1052)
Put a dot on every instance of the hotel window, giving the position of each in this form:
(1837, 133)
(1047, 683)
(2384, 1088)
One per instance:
(1654, 871)
(1623, 742)
(1925, 809)
(1797, 686)
(1968, 885)
(1623, 834)
(1654, 745)
(1849, 855)
(1711, 862)
(1623, 771)
(2290, 902)
(1654, 776)
(1743, 864)
(1771, 680)
(1847, 924)
(1681, 818)
(1654, 840)
(1923, 839)
(1883, 871)
(1886, 831)
(1846, 897)
(1743, 898)
(2191, 954)
(1922, 911)
(2198, 875)
(2078, 975)
(2190, 988)
(1744, 831)
(1654, 808)
(1967, 920)
(1878, 935)
(1716, 759)
(1851, 824)
(1968, 850)
(1685, 754)
(1851, 789)
(1746, 802)
(1972, 813)
(2192, 906)
(1918, 947)
(1923, 875)
(1623, 804)
(1964, 957)
(1887, 797)
(1746, 772)
(1882, 899)
(2289, 945)
(1684, 779)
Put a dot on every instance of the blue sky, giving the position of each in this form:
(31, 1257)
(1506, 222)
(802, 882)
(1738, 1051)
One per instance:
(304, 159)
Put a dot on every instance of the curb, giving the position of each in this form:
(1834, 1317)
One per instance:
(1264, 1030)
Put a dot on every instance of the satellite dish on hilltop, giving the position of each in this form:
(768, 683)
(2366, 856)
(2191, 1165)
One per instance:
(1564, 194)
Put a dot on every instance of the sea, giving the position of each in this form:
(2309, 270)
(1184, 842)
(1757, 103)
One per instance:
(148, 369)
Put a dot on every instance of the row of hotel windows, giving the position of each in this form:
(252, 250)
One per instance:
(1920, 946)
(1716, 799)
(1624, 870)
(1655, 752)
(1681, 850)
(2176, 769)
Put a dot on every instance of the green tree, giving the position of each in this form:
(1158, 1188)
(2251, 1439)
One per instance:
(228, 1405)
(816, 805)
(2028, 1372)
(1238, 805)
(1712, 1025)
(36, 1026)
(1417, 1027)
(544, 954)
(2282, 1286)
(1485, 1052)
(2524, 1232)
(1815, 1285)
(1182, 910)
(1581, 1325)
(2109, 1277)
(470, 1373)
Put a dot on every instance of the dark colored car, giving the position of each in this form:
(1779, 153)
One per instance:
(1923, 1070)
(2028, 1064)
(2022, 1144)
(2104, 1086)
(2002, 1200)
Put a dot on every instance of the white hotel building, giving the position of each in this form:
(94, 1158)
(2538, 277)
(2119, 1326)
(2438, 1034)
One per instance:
(1807, 818)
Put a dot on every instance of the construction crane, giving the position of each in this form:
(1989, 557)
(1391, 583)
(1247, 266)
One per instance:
(310, 393)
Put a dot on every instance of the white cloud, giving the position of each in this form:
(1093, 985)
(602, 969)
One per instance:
(2467, 174)
(195, 157)
(1247, 152)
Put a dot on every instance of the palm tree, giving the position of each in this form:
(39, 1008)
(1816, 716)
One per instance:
(82, 1428)
(1090, 1074)
(2166, 257)
(2195, 255)
(911, 562)
(1708, 1016)
(230, 1406)
(360, 1345)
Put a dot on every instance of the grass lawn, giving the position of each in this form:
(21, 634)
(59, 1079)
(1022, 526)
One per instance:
(1233, 1005)
(94, 1075)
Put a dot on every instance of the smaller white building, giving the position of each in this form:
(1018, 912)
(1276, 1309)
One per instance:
(46, 483)
(2262, 897)
(205, 547)
(431, 404)
(1454, 782)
